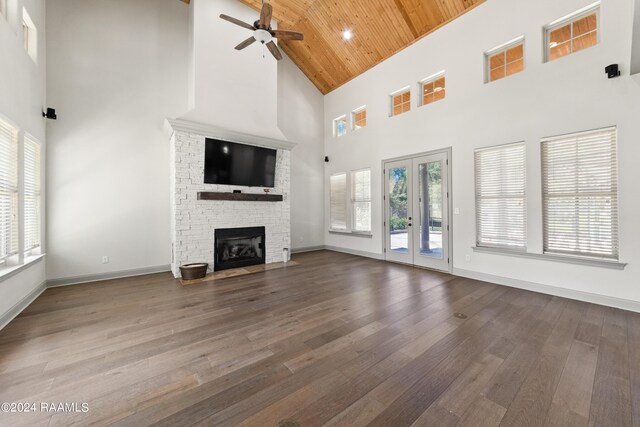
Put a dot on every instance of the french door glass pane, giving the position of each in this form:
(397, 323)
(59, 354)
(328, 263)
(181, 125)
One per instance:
(430, 198)
(398, 211)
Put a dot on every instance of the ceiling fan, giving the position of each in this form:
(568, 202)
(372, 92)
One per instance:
(262, 31)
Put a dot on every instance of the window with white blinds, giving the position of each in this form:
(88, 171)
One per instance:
(501, 196)
(361, 200)
(31, 193)
(580, 194)
(8, 190)
(338, 196)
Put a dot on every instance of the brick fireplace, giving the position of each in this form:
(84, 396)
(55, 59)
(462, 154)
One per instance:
(194, 222)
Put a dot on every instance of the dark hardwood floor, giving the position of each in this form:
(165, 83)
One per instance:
(335, 340)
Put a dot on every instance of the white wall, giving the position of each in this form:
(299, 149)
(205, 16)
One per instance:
(22, 97)
(300, 118)
(250, 92)
(22, 82)
(232, 90)
(567, 95)
(117, 69)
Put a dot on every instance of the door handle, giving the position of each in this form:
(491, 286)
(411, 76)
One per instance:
(409, 218)
(409, 224)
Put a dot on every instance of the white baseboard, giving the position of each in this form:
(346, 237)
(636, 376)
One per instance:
(338, 249)
(307, 249)
(354, 252)
(17, 308)
(66, 281)
(608, 301)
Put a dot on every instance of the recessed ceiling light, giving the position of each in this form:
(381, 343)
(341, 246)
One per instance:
(347, 34)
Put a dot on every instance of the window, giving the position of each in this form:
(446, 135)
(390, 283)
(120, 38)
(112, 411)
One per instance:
(340, 126)
(338, 202)
(580, 194)
(500, 196)
(8, 191)
(401, 102)
(573, 33)
(359, 118)
(505, 60)
(29, 35)
(25, 36)
(361, 200)
(31, 194)
(351, 213)
(432, 89)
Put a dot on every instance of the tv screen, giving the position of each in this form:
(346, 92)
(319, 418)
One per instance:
(231, 163)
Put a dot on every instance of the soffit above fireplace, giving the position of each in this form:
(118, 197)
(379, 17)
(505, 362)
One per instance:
(173, 125)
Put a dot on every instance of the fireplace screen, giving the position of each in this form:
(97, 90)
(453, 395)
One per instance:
(239, 247)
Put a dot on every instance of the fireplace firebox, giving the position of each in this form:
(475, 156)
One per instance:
(239, 247)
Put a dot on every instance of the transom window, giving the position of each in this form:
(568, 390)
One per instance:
(505, 60)
(433, 89)
(359, 118)
(340, 126)
(401, 102)
(29, 35)
(574, 33)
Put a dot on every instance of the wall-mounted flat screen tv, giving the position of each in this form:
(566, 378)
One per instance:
(232, 163)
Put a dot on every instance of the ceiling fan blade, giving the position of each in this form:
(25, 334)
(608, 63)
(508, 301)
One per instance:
(274, 50)
(245, 43)
(287, 35)
(237, 22)
(265, 15)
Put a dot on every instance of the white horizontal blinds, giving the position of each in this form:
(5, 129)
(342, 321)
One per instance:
(338, 188)
(500, 196)
(31, 193)
(8, 190)
(580, 194)
(361, 200)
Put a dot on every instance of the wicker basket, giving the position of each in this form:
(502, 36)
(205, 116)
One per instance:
(193, 271)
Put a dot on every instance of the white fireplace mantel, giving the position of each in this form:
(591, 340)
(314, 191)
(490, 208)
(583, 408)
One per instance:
(181, 125)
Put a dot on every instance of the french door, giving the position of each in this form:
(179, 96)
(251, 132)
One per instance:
(416, 211)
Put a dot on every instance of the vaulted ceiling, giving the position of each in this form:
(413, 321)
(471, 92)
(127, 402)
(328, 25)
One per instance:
(380, 29)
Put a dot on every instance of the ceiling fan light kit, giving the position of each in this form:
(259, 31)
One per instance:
(263, 32)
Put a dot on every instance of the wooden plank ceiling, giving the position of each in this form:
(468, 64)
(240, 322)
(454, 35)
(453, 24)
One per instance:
(380, 29)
